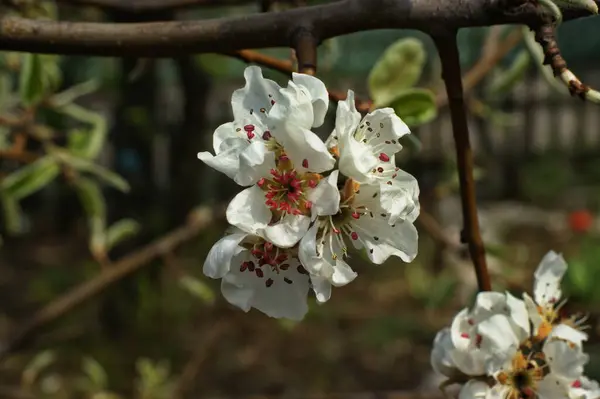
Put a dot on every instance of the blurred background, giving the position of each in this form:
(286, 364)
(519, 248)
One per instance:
(98, 159)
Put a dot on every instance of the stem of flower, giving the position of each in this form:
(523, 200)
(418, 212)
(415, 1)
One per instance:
(449, 55)
(305, 44)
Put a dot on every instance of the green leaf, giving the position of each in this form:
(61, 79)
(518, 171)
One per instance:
(507, 79)
(120, 231)
(66, 97)
(415, 106)
(95, 372)
(40, 362)
(86, 144)
(12, 213)
(197, 288)
(30, 178)
(399, 68)
(85, 165)
(94, 204)
(31, 79)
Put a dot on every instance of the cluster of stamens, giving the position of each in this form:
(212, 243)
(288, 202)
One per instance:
(268, 255)
(286, 191)
(524, 375)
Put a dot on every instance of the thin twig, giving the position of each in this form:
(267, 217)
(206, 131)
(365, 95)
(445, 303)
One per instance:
(435, 231)
(485, 64)
(178, 38)
(546, 37)
(449, 55)
(198, 220)
(286, 67)
(194, 366)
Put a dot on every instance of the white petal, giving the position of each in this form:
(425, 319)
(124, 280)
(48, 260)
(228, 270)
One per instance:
(322, 288)
(356, 160)
(235, 294)
(257, 94)
(248, 211)
(498, 391)
(347, 117)
(294, 107)
(519, 315)
(222, 133)
(401, 198)
(255, 162)
(227, 161)
(342, 274)
(325, 197)
(389, 125)
(552, 387)
(303, 147)
(568, 333)
(498, 340)
(319, 94)
(307, 252)
(288, 231)
(534, 314)
(280, 299)
(441, 360)
(218, 260)
(584, 388)
(565, 359)
(459, 330)
(382, 240)
(546, 286)
(474, 389)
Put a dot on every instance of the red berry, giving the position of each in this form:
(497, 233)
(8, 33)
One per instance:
(581, 221)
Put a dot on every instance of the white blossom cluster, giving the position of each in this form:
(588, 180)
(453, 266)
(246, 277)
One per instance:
(510, 348)
(305, 201)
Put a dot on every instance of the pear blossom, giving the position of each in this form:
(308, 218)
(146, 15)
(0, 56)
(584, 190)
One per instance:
(544, 308)
(246, 149)
(366, 149)
(361, 221)
(257, 274)
(531, 370)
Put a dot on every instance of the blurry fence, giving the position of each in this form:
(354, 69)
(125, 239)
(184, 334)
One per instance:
(537, 120)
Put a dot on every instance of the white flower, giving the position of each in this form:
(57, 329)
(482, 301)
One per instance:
(257, 274)
(246, 149)
(470, 326)
(280, 207)
(584, 388)
(544, 307)
(527, 368)
(361, 221)
(452, 362)
(366, 150)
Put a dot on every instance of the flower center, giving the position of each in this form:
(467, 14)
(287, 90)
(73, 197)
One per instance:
(523, 378)
(348, 222)
(270, 262)
(286, 191)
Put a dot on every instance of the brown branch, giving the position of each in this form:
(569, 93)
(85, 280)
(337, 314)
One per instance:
(305, 45)
(448, 51)
(545, 36)
(485, 64)
(198, 221)
(152, 5)
(177, 38)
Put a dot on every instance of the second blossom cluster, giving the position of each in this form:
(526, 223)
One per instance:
(305, 201)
